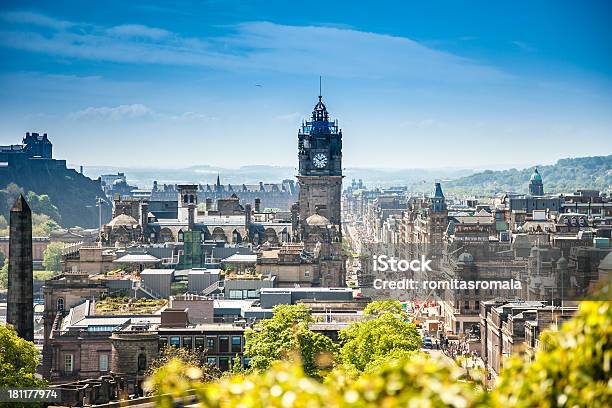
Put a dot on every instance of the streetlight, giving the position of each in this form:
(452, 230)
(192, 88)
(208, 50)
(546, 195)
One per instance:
(99, 201)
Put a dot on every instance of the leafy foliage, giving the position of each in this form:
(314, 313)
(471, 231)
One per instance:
(124, 305)
(42, 225)
(45, 215)
(571, 370)
(183, 364)
(4, 275)
(379, 307)
(52, 256)
(18, 361)
(364, 343)
(414, 382)
(41, 204)
(43, 275)
(277, 338)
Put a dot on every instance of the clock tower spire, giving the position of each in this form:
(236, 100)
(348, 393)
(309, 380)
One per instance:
(320, 182)
(320, 166)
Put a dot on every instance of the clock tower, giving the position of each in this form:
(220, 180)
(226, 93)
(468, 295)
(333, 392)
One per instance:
(320, 167)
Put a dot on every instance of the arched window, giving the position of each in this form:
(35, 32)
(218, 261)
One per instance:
(60, 304)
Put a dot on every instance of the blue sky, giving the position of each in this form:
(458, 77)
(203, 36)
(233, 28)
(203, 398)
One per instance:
(227, 83)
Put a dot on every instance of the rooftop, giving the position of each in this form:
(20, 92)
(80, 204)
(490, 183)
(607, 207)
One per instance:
(152, 271)
(126, 306)
(137, 258)
(240, 258)
(300, 289)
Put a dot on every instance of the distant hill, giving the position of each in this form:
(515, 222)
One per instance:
(567, 175)
(143, 177)
(71, 194)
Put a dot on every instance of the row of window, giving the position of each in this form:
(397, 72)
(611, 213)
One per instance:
(212, 344)
(244, 294)
(69, 362)
(224, 363)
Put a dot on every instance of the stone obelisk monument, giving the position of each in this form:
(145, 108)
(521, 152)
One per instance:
(20, 307)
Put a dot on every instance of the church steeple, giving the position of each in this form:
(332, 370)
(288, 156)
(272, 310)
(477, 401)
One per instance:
(218, 184)
(438, 201)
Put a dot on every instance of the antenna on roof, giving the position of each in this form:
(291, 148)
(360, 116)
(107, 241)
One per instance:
(320, 94)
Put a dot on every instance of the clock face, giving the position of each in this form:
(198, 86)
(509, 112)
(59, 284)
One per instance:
(319, 160)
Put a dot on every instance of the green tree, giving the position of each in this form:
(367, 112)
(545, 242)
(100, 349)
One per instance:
(407, 382)
(379, 307)
(572, 369)
(287, 336)
(42, 225)
(52, 256)
(4, 226)
(4, 276)
(364, 343)
(42, 204)
(10, 194)
(190, 360)
(18, 360)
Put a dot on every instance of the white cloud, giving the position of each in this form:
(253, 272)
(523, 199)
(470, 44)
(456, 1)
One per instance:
(28, 18)
(138, 30)
(192, 116)
(134, 111)
(112, 113)
(523, 46)
(332, 51)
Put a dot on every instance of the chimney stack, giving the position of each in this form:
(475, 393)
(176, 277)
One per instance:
(191, 217)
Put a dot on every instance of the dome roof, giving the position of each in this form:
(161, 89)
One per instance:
(123, 220)
(466, 258)
(535, 176)
(316, 220)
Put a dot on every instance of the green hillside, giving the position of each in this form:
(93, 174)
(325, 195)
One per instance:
(567, 175)
(64, 195)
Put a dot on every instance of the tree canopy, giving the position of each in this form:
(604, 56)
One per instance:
(571, 369)
(566, 175)
(364, 343)
(189, 361)
(4, 275)
(45, 215)
(52, 256)
(379, 307)
(286, 334)
(18, 360)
